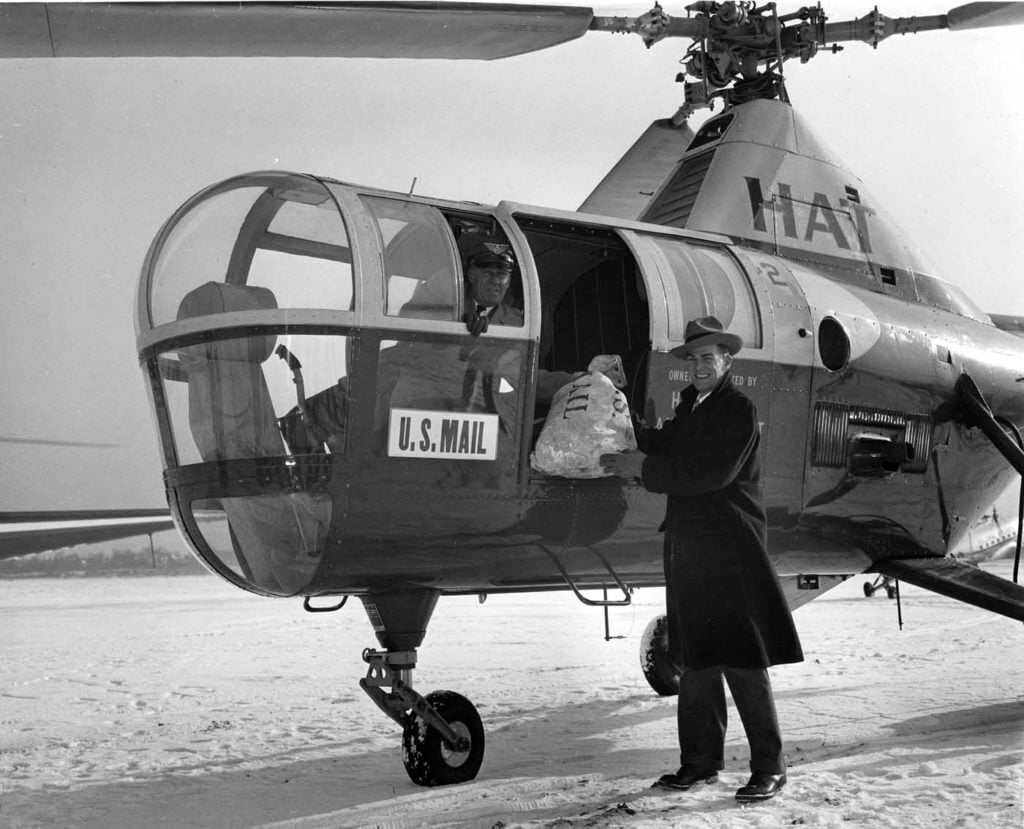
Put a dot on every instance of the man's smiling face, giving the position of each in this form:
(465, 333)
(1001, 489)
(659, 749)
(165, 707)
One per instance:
(708, 364)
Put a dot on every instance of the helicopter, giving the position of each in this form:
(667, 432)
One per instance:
(885, 394)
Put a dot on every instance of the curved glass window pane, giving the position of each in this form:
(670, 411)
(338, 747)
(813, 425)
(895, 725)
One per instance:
(438, 377)
(283, 233)
(691, 290)
(420, 267)
(274, 542)
(238, 398)
(728, 294)
(710, 282)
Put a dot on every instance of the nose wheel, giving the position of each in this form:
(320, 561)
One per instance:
(442, 735)
(429, 759)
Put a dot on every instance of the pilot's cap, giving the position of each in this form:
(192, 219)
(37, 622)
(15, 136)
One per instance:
(707, 331)
(493, 256)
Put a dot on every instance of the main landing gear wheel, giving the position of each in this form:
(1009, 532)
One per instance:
(881, 583)
(656, 662)
(428, 759)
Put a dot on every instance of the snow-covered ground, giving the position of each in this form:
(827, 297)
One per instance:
(180, 701)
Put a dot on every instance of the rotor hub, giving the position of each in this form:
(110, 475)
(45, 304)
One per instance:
(740, 56)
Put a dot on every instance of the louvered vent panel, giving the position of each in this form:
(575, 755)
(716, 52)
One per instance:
(919, 435)
(831, 421)
(836, 423)
(675, 203)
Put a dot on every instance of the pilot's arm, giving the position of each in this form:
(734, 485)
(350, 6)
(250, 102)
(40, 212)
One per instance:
(549, 382)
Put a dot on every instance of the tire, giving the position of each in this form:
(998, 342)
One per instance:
(658, 666)
(428, 761)
(869, 589)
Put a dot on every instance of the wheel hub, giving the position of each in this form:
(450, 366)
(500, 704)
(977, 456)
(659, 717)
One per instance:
(458, 755)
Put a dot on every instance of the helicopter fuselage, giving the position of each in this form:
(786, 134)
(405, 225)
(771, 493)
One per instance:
(403, 464)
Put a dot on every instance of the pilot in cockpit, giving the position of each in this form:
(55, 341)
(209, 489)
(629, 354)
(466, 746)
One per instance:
(487, 300)
(435, 376)
(488, 277)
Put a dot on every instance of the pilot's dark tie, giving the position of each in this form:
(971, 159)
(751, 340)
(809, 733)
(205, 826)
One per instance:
(477, 323)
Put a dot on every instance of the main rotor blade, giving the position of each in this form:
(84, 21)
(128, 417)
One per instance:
(480, 31)
(44, 442)
(983, 15)
(874, 27)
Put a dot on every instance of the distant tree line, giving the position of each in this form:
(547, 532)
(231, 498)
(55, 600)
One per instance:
(87, 561)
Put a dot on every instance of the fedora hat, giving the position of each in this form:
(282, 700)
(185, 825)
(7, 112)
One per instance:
(707, 331)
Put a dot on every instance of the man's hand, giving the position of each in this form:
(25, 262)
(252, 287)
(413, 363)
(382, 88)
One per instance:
(624, 464)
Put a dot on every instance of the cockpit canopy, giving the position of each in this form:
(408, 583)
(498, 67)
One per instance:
(276, 231)
(256, 299)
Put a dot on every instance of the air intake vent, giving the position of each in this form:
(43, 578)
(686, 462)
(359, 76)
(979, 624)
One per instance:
(673, 205)
(838, 426)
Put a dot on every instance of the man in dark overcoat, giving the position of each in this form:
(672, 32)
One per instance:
(727, 615)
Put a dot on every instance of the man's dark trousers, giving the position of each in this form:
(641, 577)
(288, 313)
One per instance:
(702, 718)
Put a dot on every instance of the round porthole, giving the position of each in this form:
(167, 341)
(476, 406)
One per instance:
(833, 344)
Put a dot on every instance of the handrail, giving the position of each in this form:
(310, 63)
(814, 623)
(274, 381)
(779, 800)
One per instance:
(309, 607)
(626, 590)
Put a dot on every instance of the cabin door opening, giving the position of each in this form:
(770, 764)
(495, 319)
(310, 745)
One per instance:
(593, 301)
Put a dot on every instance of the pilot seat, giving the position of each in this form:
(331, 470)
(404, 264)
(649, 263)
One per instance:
(278, 538)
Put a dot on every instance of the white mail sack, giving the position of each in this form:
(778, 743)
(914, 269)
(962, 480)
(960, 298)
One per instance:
(588, 418)
(610, 365)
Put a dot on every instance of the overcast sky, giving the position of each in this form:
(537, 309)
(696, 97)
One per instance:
(95, 154)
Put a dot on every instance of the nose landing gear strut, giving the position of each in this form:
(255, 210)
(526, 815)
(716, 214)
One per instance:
(442, 735)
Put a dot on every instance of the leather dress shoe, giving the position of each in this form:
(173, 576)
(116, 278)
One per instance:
(761, 786)
(686, 778)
